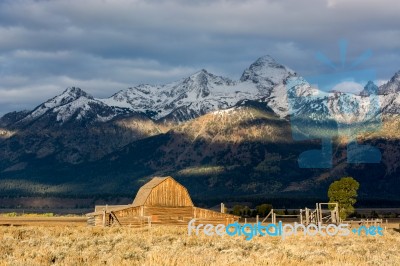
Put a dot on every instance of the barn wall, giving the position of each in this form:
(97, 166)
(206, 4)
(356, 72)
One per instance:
(130, 216)
(169, 215)
(98, 219)
(131, 211)
(205, 216)
(169, 193)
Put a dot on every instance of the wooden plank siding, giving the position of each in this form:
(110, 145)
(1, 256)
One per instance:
(131, 216)
(169, 193)
(169, 215)
(130, 211)
(205, 216)
(100, 221)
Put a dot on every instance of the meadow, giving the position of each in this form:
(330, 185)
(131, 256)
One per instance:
(162, 245)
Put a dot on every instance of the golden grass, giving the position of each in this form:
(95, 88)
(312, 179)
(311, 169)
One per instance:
(172, 246)
(14, 214)
(32, 220)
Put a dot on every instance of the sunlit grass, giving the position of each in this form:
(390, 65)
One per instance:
(172, 246)
(14, 214)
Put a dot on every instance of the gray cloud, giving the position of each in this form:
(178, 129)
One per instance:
(105, 46)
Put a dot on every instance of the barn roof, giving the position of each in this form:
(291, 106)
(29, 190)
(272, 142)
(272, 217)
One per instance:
(145, 190)
(154, 182)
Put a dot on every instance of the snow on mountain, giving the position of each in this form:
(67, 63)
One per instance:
(202, 92)
(389, 96)
(72, 103)
(266, 70)
(178, 101)
(140, 98)
(344, 108)
(349, 108)
(369, 89)
(392, 86)
(79, 107)
(288, 97)
(68, 96)
(199, 94)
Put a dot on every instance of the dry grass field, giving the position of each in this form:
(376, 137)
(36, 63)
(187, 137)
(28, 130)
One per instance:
(78, 245)
(42, 221)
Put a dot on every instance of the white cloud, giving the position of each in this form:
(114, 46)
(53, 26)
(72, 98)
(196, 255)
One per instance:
(349, 87)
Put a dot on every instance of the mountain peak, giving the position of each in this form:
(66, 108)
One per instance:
(393, 85)
(204, 78)
(369, 89)
(266, 59)
(75, 93)
(201, 73)
(266, 69)
(69, 95)
(397, 75)
(370, 85)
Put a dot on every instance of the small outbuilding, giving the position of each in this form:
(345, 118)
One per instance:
(161, 201)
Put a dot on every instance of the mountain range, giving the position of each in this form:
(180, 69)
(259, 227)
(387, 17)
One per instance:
(219, 137)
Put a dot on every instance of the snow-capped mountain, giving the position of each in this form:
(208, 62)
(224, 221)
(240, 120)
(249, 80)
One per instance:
(179, 101)
(187, 98)
(72, 104)
(369, 89)
(345, 108)
(393, 86)
(266, 73)
(202, 92)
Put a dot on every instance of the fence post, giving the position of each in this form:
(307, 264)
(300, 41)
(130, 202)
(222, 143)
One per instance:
(301, 216)
(307, 216)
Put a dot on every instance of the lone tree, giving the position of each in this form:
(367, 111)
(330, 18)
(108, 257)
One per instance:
(344, 192)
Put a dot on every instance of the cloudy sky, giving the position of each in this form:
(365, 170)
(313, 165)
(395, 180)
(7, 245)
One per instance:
(103, 46)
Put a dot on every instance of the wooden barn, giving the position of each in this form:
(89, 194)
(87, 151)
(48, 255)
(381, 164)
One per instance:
(161, 201)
